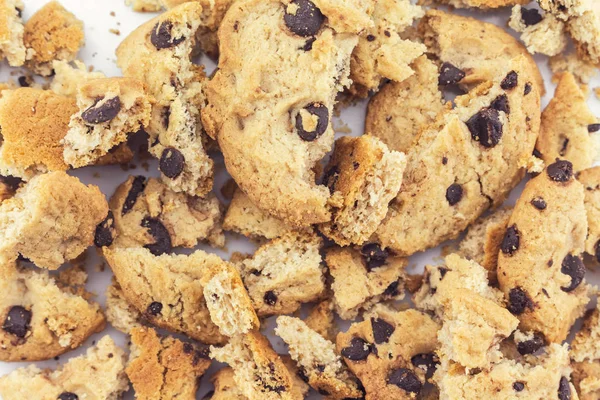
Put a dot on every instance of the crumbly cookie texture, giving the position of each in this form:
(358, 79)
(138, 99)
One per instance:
(259, 372)
(541, 34)
(539, 267)
(364, 278)
(284, 273)
(590, 179)
(585, 357)
(317, 359)
(110, 110)
(52, 33)
(272, 117)
(33, 124)
(146, 212)
(97, 375)
(582, 70)
(391, 352)
(69, 76)
(119, 313)
(363, 177)
(11, 32)
(145, 5)
(164, 367)
(321, 319)
(569, 129)
(381, 52)
(43, 317)
(159, 53)
(399, 110)
(51, 220)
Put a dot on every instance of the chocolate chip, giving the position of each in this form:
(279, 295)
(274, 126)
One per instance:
(445, 160)
(307, 19)
(539, 203)
(302, 374)
(308, 45)
(537, 153)
(68, 396)
(12, 182)
(530, 16)
(527, 89)
(162, 239)
(171, 162)
(103, 236)
(19, 12)
(382, 330)
(357, 351)
(17, 321)
(374, 255)
(450, 75)
(454, 193)
(518, 301)
(322, 114)
(24, 81)
(560, 171)
(518, 386)
(564, 147)
(161, 36)
(593, 128)
(405, 379)
(137, 187)
(270, 298)
(392, 289)
(331, 177)
(427, 362)
(500, 103)
(166, 118)
(531, 346)
(485, 127)
(99, 114)
(154, 308)
(510, 81)
(597, 250)
(573, 267)
(564, 389)
(511, 240)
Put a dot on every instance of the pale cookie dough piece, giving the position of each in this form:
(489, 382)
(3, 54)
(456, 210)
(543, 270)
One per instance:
(272, 118)
(69, 76)
(145, 5)
(8, 187)
(52, 33)
(585, 357)
(99, 374)
(541, 34)
(147, 213)
(364, 278)
(119, 313)
(381, 52)
(539, 267)
(159, 53)
(582, 70)
(51, 220)
(33, 124)
(399, 110)
(259, 372)
(321, 319)
(11, 32)
(363, 176)
(163, 368)
(285, 273)
(317, 359)
(569, 129)
(590, 179)
(42, 317)
(391, 352)
(110, 109)
(585, 31)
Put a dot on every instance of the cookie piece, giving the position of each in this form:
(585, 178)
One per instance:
(364, 278)
(164, 367)
(52, 33)
(98, 374)
(148, 213)
(399, 110)
(11, 32)
(585, 357)
(539, 267)
(284, 273)
(541, 34)
(590, 179)
(569, 128)
(145, 5)
(321, 319)
(272, 119)
(585, 32)
(363, 177)
(582, 70)
(391, 352)
(159, 53)
(69, 76)
(317, 359)
(110, 110)
(119, 313)
(51, 220)
(33, 124)
(258, 371)
(42, 317)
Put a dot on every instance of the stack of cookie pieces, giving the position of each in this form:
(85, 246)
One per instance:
(335, 220)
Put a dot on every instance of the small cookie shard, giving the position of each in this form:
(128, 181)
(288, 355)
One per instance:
(98, 374)
(68, 77)
(585, 358)
(590, 179)
(399, 110)
(391, 352)
(164, 367)
(317, 359)
(109, 111)
(11, 32)
(321, 319)
(541, 34)
(272, 117)
(51, 220)
(259, 372)
(52, 33)
(159, 53)
(364, 278)
(539, 267)
(284, 273)
(119, 313)
(565, 128)
(363, 177)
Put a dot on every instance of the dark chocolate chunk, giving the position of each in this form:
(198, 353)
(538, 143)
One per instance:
(392, 289)
(485, 127)
(564, 389)
(450, 75)
(17, 321)
(104, 231)
(405, 379)
(560, 171)
(137, 187)
(518, 386)
(539, 203)
(518, 301)
(500, 103)
(374, 255)
(161, 36)
(357, 351)
(573, 267)
(382, 330)
(101, 113)
(510, 81)
(322, 114)
(531, 346)
(171, 162)
(154, 308)
(454, 193)
(527, 89)
(593, 128)
(270, 298)
(162, 238)
(427, 362)
(511, 240)
(308, 45)
(306, 21)
(68, 396)
(530, 16)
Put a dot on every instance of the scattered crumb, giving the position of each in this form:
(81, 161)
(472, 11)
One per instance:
(115, 32)
(342, 128)
(113, 14)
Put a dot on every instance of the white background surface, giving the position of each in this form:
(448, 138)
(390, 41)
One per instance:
(99, 52)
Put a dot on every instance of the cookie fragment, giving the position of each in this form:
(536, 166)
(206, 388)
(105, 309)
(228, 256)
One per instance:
(11, 32)
(541, 34)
